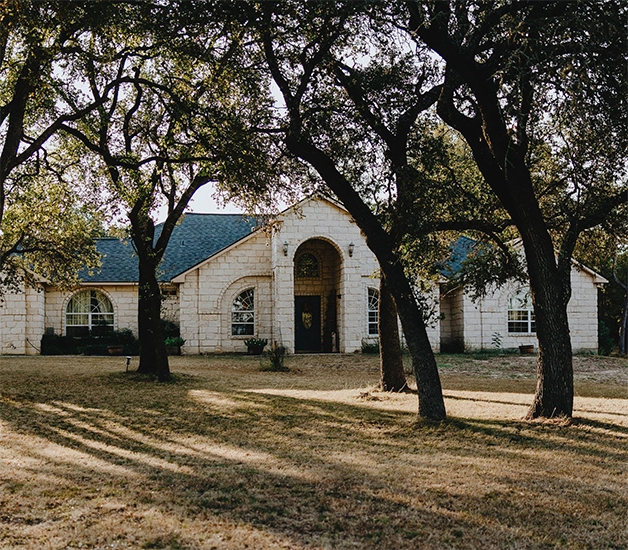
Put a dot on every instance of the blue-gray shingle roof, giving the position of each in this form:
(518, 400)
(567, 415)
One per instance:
(196, 238)
(459, 251)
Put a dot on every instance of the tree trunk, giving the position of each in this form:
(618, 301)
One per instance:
(431, 403)
(504, 169)
(623, 328)
(153, 354)
(392, 376)
(554, 390)
(430, 394)
(551, 290)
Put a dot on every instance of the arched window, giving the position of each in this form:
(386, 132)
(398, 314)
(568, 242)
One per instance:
(243, 314)
(520, 312)
(88, 310)
(373, 311)
(307, 266)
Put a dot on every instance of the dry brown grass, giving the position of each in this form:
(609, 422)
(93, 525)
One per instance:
(228, 457)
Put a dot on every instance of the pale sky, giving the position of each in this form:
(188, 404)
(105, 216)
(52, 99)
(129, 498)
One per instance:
(203, 203)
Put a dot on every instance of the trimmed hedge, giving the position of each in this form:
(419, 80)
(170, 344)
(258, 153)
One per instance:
(89, 345)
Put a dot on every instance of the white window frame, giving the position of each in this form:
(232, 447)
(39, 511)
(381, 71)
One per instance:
(90, 307)
(372, 312)
(243, 313)
(521, 318)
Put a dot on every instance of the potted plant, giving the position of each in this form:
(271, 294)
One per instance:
(115, 349)
(255, 346)
(173, 345)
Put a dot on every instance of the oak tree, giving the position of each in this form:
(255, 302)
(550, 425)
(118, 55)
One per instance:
(173, 121)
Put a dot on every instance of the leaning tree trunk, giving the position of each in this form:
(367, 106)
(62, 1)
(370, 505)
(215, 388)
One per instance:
(431, 403)
(153, 354)
(392, 376)
(429, 390)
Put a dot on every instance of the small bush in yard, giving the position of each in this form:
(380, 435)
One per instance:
(275, 355)
(370, 347)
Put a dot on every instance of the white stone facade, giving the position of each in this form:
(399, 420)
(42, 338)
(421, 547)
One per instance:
(201, 299)
(264, 261)
(483, 324)
(122, 297)
(22, 321)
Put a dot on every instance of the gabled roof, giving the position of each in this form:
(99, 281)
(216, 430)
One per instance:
(196, 238)
(462, 247)
(295, 208)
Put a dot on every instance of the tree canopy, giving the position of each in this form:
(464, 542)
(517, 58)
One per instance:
(47, 225)
(171, 117)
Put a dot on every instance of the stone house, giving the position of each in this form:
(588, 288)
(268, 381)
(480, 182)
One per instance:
(308, 281)
(504, 318)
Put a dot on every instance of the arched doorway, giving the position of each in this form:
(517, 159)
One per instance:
(317, 268)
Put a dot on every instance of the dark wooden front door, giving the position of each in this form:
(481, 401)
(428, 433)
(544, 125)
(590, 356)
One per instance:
(307, 320)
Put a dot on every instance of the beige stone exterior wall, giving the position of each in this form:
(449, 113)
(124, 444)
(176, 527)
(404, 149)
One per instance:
(320, 219)
(258, 262)
(452, 323)
(22, 321)
(170, 303)
(583, 310)
(123, 299)
(207, 293)
(34, 322)
(13, 325)
(487, 319)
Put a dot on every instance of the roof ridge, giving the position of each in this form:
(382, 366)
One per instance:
(216, 214)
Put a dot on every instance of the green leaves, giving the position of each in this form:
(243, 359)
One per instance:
(47, 233)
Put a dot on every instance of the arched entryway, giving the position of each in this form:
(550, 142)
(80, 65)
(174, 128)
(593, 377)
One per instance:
(317, 268)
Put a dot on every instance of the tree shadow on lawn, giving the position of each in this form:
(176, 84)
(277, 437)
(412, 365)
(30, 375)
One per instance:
(577, 409)
(312, 473)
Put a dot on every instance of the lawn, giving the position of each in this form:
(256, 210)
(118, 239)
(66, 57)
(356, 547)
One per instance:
(229, 457)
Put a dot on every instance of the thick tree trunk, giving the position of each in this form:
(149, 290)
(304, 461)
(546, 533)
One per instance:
(429, 390)
(148, 353)
(506, 172)
(554, 389)
(153, 354)
(392, 376)
(431, 403)
(551, 290)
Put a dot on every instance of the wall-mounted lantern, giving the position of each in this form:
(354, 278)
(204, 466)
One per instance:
(351, 249)
(285, 248)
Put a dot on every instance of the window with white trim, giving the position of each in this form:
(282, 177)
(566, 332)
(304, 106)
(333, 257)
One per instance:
(521, 313)
(243, 314)
(373, 311)
(88, 310)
